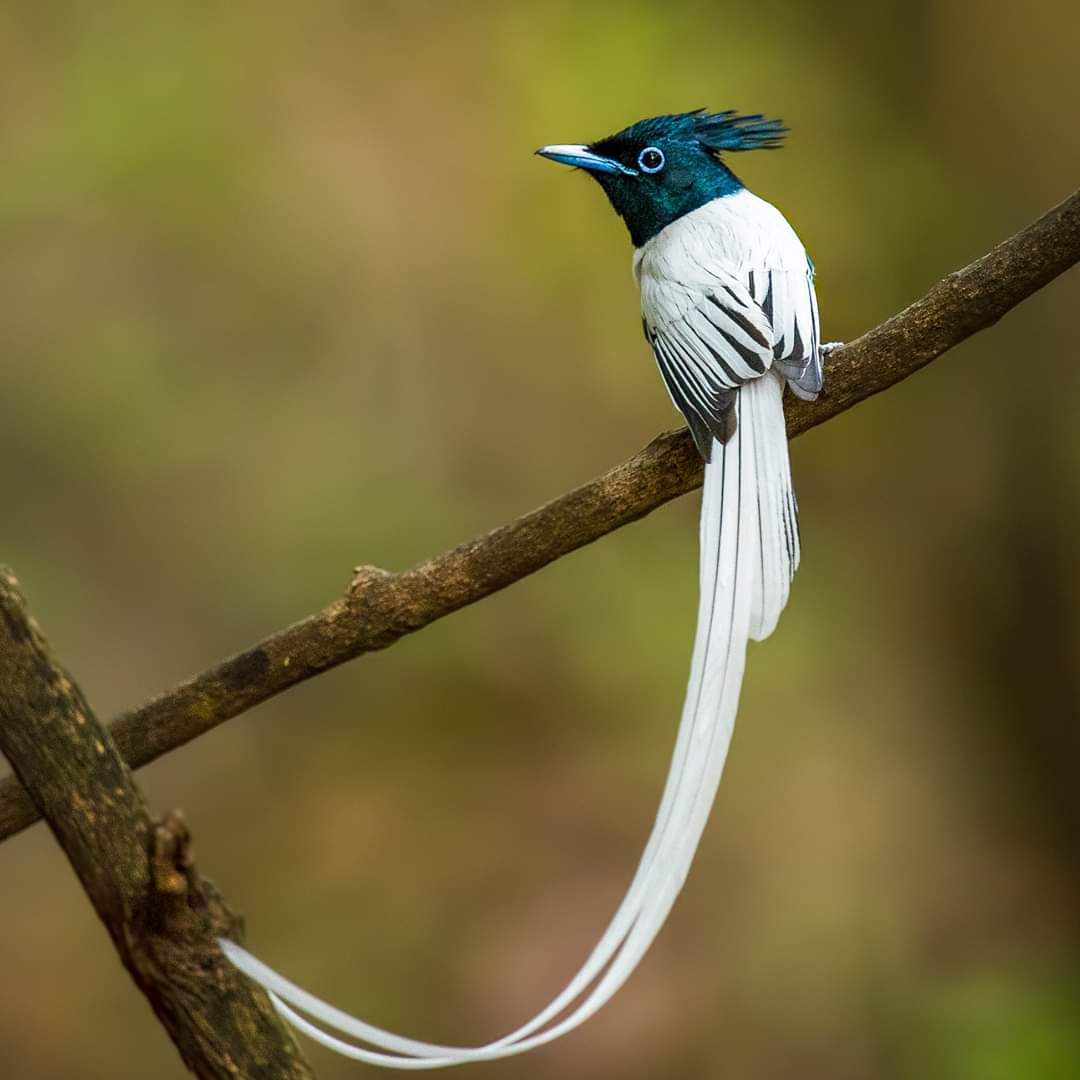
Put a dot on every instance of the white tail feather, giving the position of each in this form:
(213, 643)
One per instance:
(749, 552)
(778, 548)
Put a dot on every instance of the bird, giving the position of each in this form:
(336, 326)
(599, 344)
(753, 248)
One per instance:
(729, 309)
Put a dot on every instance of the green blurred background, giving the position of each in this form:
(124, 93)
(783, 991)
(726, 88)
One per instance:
(285, 291)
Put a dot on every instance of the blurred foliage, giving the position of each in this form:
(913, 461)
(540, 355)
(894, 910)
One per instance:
(285, 291)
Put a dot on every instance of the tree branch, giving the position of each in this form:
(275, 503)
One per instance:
(164, 920)
(380, 607)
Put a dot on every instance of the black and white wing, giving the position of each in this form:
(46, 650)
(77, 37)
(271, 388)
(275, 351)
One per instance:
(788, 301)
(706, 352)
(736, 331)
(727, 294)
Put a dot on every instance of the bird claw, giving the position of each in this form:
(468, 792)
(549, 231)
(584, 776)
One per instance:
(827, 347)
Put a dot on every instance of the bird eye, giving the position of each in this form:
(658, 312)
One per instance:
(651, 159)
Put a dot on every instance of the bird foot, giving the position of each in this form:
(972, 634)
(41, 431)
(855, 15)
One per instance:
(827, 347)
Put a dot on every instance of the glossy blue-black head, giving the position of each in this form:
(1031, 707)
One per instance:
(657, 170)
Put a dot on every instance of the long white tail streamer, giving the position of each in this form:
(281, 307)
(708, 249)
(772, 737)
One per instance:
(749, 553)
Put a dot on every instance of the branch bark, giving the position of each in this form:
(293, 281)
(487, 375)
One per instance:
(163, 918)
(380, 607)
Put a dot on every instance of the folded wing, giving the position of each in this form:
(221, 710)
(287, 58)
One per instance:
(710, 341)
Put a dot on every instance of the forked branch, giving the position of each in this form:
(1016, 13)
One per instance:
(163, 918)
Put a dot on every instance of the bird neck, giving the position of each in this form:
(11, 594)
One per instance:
(645, 217)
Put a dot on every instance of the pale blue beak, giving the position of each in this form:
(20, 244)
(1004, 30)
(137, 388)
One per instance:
(581, 157)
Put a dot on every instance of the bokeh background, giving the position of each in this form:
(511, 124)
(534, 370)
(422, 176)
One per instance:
(285, 291)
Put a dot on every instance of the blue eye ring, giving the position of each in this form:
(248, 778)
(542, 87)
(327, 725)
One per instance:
(651, 159)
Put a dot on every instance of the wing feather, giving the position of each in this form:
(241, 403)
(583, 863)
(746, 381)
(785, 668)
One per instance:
(727, 293)
(734, 332)
(799, 360)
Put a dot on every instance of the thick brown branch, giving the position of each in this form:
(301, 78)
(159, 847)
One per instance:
(138, 873)
(380, 607)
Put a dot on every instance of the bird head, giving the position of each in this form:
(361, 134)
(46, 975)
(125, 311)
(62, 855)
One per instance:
(657, 170)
